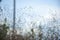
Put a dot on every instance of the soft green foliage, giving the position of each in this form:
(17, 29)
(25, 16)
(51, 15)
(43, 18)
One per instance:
(3, 31)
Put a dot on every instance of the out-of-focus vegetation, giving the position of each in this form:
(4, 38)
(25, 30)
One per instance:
(49, 31)
(3, 30)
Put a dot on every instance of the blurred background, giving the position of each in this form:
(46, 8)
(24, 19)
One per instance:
(29, 19)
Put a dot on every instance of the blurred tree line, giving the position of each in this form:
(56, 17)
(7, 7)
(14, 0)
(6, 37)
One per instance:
(49, 32)
(52, 33)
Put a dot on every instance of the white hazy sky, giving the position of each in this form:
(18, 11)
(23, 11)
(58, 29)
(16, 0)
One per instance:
(30, 10)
